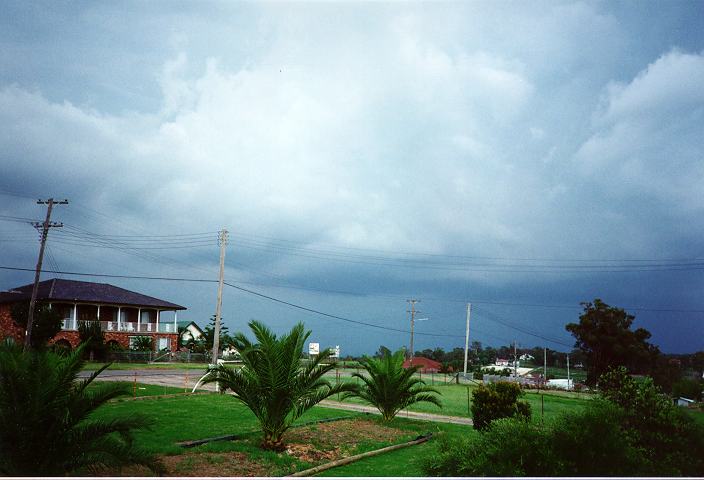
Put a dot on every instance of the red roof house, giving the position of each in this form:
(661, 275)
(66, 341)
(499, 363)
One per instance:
(425, 365)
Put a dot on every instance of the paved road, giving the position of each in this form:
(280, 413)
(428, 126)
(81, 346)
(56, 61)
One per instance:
(187, 379)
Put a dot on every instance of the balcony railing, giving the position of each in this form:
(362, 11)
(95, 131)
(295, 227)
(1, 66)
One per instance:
(129, 327)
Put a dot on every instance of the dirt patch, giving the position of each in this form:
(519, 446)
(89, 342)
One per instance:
(226, 464)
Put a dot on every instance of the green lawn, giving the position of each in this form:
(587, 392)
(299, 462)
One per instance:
(156, 366)
(203, 416)
(455, 402)
(142, 389)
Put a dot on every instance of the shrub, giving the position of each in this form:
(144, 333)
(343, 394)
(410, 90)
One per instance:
(508, 448)
(586, 443)
(688, 388)
(497, 400)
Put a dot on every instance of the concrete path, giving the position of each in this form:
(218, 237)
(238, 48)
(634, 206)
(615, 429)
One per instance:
(429, 417)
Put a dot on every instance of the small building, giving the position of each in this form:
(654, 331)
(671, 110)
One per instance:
(526, 357)
(684, 402)
(502, 362)
(425, 365)
(123, 315)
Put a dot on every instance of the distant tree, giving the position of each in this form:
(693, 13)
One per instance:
(47, 321)
(209, 335)
(605, 337)
(382, 352)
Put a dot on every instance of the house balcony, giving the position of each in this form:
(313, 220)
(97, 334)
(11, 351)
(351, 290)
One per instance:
(127, 327)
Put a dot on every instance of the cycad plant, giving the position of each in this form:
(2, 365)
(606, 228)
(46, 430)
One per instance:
(46, 427)
(273, 382)
(390, 387)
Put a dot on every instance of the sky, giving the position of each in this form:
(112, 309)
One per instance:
(519, 156)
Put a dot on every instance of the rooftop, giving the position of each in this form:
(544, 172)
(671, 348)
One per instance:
(58, 289)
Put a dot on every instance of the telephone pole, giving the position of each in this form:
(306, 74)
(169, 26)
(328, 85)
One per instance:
(45, 232)
(515, 361)
(413, 312)
(466, 339)
(222, 241)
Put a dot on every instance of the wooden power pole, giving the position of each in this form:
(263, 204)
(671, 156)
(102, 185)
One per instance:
(222, 240)
(413, 312)
(466, 339)
(38, 271)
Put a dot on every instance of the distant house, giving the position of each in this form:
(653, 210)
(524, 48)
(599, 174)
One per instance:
(502, 362)
(425, 365)
(526, 356)
(191, 331)
(123, 315)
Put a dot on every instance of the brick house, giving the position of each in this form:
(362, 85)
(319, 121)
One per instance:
(123, 315)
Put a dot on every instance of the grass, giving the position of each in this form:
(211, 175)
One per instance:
(196, 417)
(147, 366)
(141, 389)
(455, 402)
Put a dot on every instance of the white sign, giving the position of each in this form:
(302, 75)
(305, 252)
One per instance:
(313, 348)
(336, 352)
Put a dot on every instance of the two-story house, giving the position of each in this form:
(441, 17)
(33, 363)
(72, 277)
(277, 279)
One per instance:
(123, 315)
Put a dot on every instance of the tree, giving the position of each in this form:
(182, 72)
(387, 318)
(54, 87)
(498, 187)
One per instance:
(46, 423)
(605, 337)
(91, 334)
(273, 383)
(497, 400)
(47, 321)
(209, 335)
(390, 387)
(142, 343)
(382, 352)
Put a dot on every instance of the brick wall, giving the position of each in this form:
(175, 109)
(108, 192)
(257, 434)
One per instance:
(7, 325)
(9, 329)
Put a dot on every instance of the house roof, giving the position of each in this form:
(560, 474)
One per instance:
(422, 362)
(186, 323)
(58, 289)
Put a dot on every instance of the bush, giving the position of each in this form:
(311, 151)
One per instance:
(669, 438)
(508, 448)
(497, 400)
(688, 388)
(587, 443)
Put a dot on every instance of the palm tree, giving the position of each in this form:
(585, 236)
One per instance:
(46, 427)
(273, 382)
(390, 387)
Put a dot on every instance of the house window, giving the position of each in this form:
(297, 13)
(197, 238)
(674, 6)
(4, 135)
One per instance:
(163, 343)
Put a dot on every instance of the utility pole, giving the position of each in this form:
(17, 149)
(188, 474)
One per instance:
(515, 362)
(222, 241)
(568, 371)
(545, 364)
(413, 312)
(466, 339)
(37, 273)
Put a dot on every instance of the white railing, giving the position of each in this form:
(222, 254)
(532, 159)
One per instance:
(129, 327)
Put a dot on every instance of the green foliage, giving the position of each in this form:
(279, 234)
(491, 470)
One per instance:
(669, 439)
(688, 388)
(209, 336)
(586, 443)
(273, 382)
(46, 324)
(46, 423)
(390, 387)
(497, 400)
(604, 336)
(143, 343)
(92, 336)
